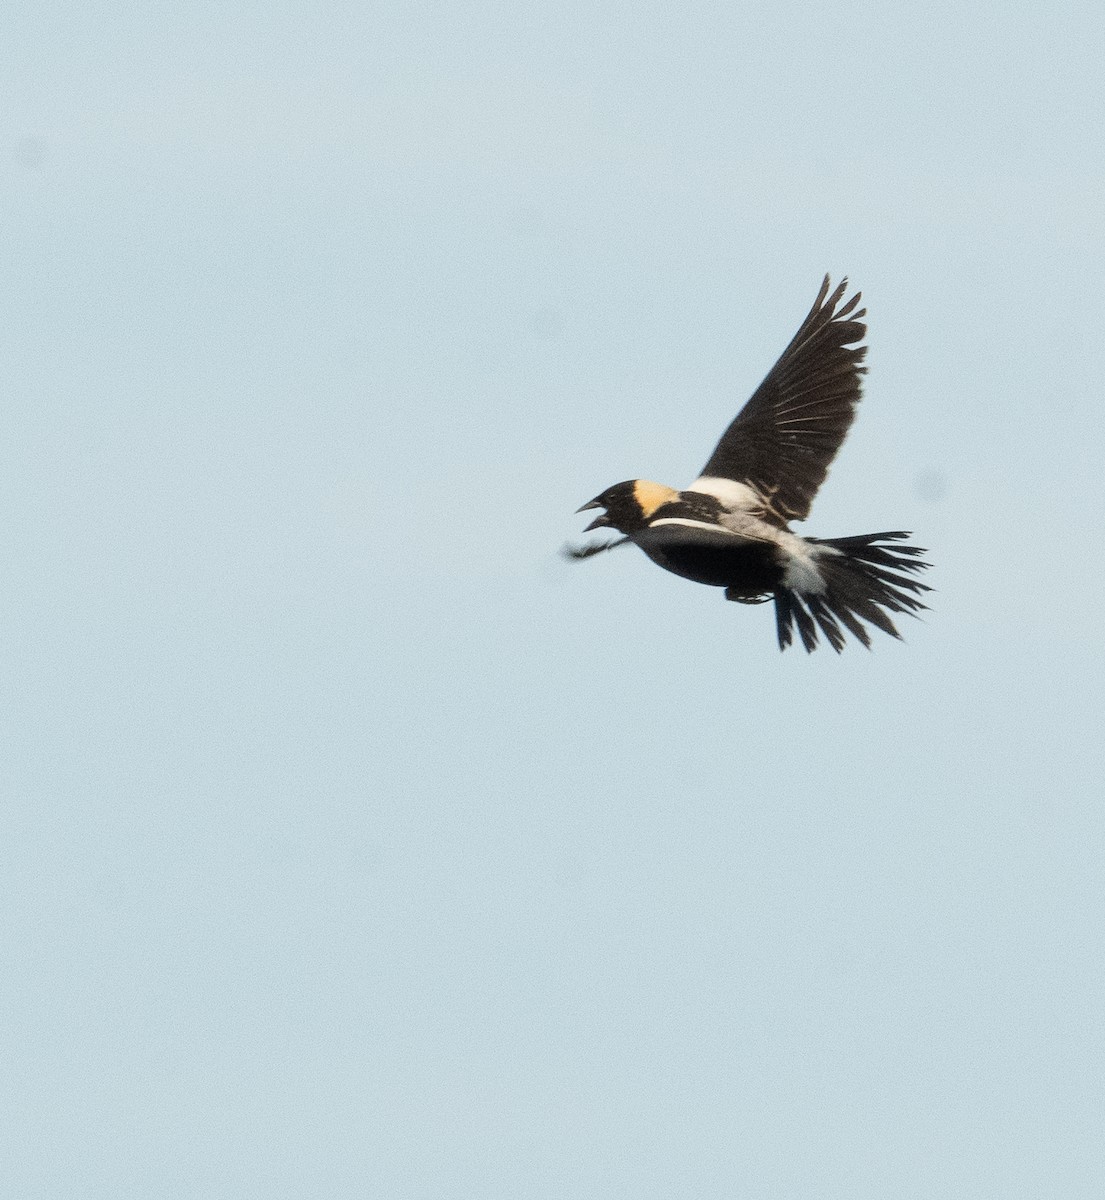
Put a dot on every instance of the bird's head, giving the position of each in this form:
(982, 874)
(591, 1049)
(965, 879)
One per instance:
(629, 505)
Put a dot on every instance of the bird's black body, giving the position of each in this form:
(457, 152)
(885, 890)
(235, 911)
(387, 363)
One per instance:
(749, 570)
(730, 527)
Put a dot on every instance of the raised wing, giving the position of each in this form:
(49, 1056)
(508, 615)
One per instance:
(783, 440)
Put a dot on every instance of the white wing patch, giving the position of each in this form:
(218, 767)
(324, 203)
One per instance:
(732, 494)
(690, 523)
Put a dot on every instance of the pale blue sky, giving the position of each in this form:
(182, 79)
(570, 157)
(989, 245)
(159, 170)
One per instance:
(355, 845)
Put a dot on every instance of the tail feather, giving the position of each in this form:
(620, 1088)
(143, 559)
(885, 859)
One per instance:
(784, 616)
(825, 617)
(807, 630)
(847, 617)
(865, 579)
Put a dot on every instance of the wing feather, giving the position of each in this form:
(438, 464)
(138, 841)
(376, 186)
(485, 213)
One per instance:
(783, 440)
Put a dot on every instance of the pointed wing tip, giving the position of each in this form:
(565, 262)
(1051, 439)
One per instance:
(824, 300)
(578, 551)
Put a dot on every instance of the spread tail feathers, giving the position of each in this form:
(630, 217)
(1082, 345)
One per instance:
(863, 582)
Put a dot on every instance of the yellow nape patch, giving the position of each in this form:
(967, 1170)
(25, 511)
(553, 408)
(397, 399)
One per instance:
(650, 496)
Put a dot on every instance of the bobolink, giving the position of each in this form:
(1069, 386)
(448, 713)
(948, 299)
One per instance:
(730, 527)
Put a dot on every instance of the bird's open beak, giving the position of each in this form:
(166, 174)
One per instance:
(598, 522)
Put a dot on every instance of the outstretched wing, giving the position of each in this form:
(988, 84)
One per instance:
(783, 440)
(577, 552)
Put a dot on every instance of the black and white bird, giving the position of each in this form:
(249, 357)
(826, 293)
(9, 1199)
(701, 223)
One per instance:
(729, 528)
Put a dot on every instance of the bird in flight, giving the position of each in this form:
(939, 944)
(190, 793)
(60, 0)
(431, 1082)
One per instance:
(730, 527)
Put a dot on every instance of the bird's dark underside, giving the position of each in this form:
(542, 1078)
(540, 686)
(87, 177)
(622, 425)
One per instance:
(750, 571)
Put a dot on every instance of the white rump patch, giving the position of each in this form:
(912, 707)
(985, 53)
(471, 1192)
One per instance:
(732, 494)
(801, 573)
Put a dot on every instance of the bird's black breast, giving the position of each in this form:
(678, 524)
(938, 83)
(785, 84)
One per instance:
(749, 568)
